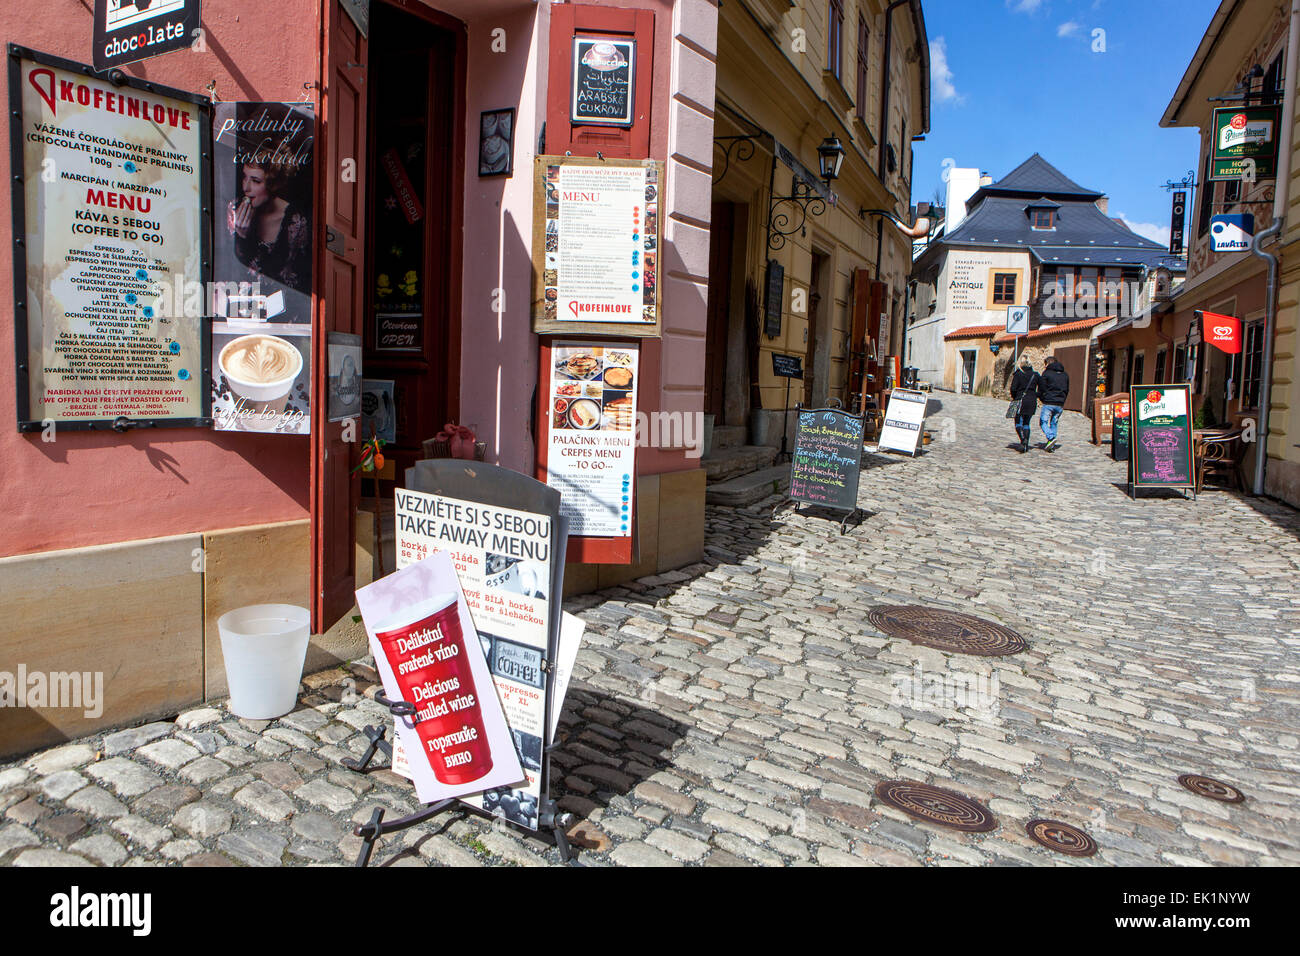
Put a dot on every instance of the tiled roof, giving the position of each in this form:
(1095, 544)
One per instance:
(1036, 177)
(974, 332)
(1083, 233)
(1053, 330)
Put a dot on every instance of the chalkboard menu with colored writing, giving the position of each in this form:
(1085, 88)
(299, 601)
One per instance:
(1161, 436)
(827, 459)
(1119, 430)
(603, 71)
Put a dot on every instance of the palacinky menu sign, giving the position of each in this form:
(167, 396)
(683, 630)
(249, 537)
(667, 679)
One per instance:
(108, 203)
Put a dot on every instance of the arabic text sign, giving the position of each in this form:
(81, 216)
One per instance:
(114, 234)
(603, 76)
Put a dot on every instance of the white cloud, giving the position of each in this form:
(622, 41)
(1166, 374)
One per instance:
(1024, 6)
(1148, 230)
(1067, 29)
(940, 75)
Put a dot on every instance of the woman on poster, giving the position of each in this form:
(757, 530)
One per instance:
(272, 235)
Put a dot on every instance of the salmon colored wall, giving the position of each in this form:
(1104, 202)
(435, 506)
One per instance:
(89, 488)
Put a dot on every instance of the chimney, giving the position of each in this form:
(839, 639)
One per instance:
(1104, 205)
(986, 179)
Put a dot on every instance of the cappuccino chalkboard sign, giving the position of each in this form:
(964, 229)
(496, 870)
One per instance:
(827, 459)
(1161, 436)
(603, 74)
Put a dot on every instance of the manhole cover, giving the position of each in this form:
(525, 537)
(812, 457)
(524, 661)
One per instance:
(946, 630)
(936, 805)
(1061, 837)
(1209, 787)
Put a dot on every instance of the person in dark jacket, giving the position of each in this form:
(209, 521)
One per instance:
(1053, 390)
(1024, 387)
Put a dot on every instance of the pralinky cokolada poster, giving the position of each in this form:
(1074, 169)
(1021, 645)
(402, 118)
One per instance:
(261, 333)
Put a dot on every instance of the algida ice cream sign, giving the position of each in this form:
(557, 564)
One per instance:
(110, 296)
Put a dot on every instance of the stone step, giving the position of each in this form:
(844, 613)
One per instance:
(726, 463)
(747, 489)
(729, 436)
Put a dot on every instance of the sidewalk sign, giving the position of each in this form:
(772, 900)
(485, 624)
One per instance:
(826, 463)
(1161, 430)
(904, 417)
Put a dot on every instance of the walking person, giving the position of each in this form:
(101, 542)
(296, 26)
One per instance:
(1024, 388)
(1053, 390)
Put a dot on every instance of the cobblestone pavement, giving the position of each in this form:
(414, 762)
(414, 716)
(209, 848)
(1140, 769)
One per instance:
(742, 710)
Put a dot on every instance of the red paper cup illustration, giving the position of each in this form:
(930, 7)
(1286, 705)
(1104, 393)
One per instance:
(426, 650)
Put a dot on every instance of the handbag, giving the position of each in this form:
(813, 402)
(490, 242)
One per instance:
(1014, 408)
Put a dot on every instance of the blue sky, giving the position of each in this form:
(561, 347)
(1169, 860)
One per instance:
(1015, 77)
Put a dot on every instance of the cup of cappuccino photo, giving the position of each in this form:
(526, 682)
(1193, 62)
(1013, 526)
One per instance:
(260, 369)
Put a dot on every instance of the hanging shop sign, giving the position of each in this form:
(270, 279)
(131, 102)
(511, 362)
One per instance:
(1221, 331)
(428, 652)
(604, 70)
(591, 442)
(904, 418)
(1177, 222)
(1245, 143)
(596, 246)
(1161, 425)
(109, 189)
(505, 537)
(261, 331)
(131, 30)
(1231, 232)
(826, 463)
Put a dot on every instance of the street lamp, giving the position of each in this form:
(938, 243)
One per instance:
(830, 154)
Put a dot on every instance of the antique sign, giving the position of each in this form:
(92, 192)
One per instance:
(596, 246)
(110, 290)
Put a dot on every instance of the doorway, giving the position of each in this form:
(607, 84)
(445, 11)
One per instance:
(967, 371)
(722, 218)
(412, 200)
(815, 371)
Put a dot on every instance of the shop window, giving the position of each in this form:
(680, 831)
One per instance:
(1160, 367)
(864, 67)
(1272, 89)
(1139, 363)
(1207, 198)
(1180, 363)
(1252, 360)
(1004, 288)
(834, 36)
(1232, 192)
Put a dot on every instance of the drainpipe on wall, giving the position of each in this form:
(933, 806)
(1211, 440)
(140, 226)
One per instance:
(1280, 195)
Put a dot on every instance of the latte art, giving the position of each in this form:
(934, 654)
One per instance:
(261, 359)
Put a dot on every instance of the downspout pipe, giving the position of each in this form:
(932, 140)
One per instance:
(1280, 195)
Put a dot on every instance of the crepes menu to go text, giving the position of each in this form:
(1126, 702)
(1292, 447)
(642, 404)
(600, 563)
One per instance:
(114, 282)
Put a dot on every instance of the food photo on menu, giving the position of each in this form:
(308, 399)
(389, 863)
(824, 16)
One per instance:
(593, 389)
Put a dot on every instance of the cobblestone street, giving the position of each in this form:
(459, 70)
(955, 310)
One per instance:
(742, 711)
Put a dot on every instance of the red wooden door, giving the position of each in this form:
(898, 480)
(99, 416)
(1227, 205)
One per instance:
(340, 244)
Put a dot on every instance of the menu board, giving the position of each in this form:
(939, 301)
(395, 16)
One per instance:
(108, 201)
(787, 366)
(591, 453)
(603, 72)
(596, 246)
(773, 298)
(1161, 436)
(827, 459)
(904, 418)
(1119, 429)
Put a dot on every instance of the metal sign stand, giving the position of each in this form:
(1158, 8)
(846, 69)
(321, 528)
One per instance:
(547, 817)
(785, 423)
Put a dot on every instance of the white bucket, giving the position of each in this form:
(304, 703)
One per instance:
(264, 646)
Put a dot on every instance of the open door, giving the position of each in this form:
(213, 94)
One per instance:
(340, 245)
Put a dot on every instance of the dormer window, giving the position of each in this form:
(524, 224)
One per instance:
(1043, 218)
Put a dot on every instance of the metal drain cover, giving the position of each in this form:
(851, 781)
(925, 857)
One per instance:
(1209, 787)
(946, 630)
(936, 805)
(1061, 837)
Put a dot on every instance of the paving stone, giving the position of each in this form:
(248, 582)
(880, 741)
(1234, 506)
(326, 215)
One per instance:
(204, 770)
(205, 742)
(202, 717)
(69, 757)
(673, 801)
(322, 794)
(266, 801)
(209, 859)
(127, 778)
(677, 845)
(96, 802)
(63, 827)
(101, 848)
(14, 836)
(278, 774)
(27, 812)
(180, 849)
(50, 858)
(168, 799)
(137, 829)
(61, 785)
(12, 777)
(639, 854)
(125, 741)
(444, 851)
(256, 846)
(203, 820)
